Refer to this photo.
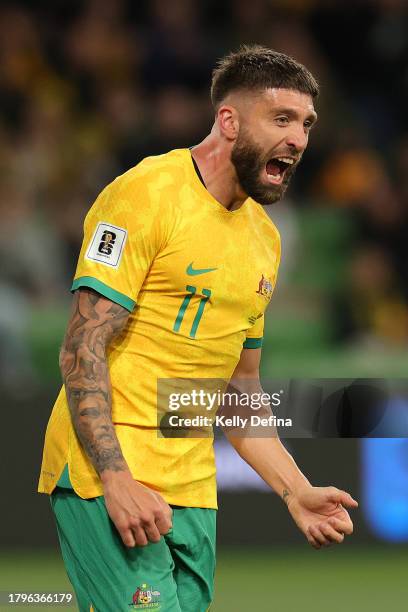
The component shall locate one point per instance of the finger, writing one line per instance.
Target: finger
(168, 510)
(345, 527)
(163, 524)
(127, 537)
(312, 541)
(140, 536)
(164, 518)
(341, 497)
(347, 500)
(318, 535)
(331, 534)
(153, 534)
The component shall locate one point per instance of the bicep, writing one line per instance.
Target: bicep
(248, 364)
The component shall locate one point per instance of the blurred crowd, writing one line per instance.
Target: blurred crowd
(88, 88)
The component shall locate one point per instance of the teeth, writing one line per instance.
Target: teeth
(275, 177)
(287, 160)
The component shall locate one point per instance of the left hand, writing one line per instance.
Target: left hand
(320, 514)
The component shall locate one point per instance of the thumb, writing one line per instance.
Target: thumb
(341, 497)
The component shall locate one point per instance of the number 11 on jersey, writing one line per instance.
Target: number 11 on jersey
(186, 301)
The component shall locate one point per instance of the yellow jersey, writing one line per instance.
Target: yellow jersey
(196, 279)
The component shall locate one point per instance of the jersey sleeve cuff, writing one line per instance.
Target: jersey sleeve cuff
(253, 343)
(105, 290)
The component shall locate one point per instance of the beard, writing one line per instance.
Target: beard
(250, 163)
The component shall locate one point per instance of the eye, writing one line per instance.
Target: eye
(308, 125)
(282, 120)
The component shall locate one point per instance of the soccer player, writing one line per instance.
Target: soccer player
(178, 265)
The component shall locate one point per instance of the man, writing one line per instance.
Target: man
(177, 267)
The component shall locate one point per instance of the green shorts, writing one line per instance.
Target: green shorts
(175, 574)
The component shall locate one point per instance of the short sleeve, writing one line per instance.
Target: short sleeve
(122, 235)
(254, 335)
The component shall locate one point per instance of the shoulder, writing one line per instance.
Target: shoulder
(155, 172)
(138, 192)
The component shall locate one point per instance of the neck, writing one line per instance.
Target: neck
(213, 158)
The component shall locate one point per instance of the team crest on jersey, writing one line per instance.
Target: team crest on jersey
(265, 287)
(107, 245)
(145, 598)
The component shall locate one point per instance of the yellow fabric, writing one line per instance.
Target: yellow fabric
(171, 222)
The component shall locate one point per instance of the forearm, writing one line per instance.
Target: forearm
(319, 512)
(85, 373)
(269, 458)
(263, 450)
(90, 404)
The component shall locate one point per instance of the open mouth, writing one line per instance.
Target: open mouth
(276, 169)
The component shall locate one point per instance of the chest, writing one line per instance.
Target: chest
(229, 262)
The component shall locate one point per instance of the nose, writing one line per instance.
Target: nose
(296, 138)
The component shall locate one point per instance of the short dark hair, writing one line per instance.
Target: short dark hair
(254, 67)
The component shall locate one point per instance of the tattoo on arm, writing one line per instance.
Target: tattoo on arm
(285, 495)
(94, 322)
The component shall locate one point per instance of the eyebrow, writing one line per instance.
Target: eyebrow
(312, 116)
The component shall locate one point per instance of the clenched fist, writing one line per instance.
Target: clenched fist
(139, 514)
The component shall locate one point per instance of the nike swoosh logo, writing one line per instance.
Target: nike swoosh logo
(191, 272)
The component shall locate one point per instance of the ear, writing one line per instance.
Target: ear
(228, 121)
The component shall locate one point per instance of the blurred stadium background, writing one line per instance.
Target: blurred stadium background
(88, 88)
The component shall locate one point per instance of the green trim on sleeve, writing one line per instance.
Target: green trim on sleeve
(105, 290)
(253, 343)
